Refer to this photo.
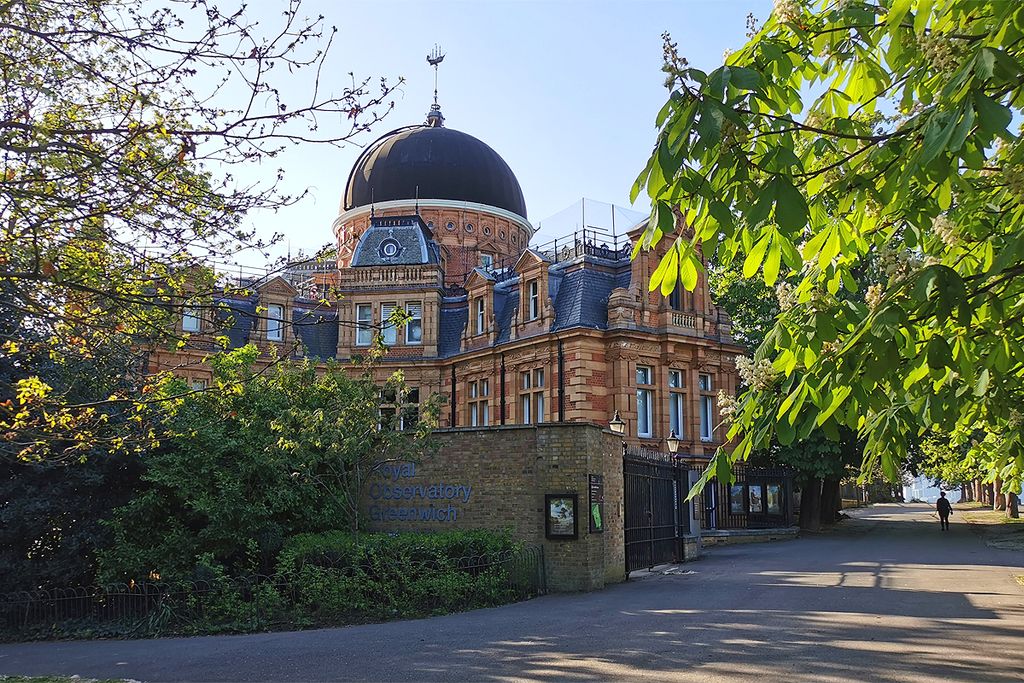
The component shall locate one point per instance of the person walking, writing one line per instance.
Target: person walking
(944, 509)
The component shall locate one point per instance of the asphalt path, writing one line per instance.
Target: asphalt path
(885, 597)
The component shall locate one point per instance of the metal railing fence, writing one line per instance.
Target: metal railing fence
(323, 591)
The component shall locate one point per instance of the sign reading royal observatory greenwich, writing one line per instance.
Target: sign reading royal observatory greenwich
(395, 498)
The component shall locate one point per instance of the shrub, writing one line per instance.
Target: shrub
(380, 576)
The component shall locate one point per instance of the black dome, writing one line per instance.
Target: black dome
(443, 163)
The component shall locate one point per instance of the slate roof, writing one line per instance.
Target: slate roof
(506, 299)
(582, 299)
(580, 296)
(241, 319)
(413, 242)
(452, 322)
(318, 331)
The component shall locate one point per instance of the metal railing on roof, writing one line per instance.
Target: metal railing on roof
(590, 241)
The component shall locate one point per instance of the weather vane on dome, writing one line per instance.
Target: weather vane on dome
(435, 57)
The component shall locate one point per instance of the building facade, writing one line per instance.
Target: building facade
(433, 221)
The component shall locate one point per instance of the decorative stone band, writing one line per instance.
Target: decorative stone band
(433, 204)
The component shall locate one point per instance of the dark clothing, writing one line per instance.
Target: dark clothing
(944, 509)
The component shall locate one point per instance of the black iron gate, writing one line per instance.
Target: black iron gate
(656, 515)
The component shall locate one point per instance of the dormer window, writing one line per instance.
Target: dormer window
(191, 320)
(533, 303)
(389, 248)
(275, 322)
(487, 261)
(480, 319)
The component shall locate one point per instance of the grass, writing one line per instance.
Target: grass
(1000, 531)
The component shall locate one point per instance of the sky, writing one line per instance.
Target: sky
(566, 91)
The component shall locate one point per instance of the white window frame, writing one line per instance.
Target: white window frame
(388, 331)
(533, 304)
(275, 322)
(480, 315)
(364, 328)
(531, 397)
(487, 261)
(676, 404)
(707, 411)
(414, 328)
(704, 382)
(191, 320)
(644, 402)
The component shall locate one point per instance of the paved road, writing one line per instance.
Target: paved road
(887, 597)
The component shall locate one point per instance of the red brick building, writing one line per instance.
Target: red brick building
(434, 221)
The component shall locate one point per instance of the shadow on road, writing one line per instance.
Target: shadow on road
(887, 596)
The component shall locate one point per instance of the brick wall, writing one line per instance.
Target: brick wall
(496, 478)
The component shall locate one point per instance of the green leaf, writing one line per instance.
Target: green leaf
(939, 354)
(837, 396)
(993, 117)
(790, 206)
(744, 78)
(981, 384)
(771, 264)
(756, 256)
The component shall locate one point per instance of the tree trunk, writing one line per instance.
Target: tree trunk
(989, 497)
(831, 501)
(998, 497)
(1013, 505)
(810, 505)
(964, 497)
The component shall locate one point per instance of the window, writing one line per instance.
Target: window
(399, 412)
(414, 328)
(644, 396)
(364, 324)
(707, 407)
(675, 299)
(676, 403)
(706, 410)
(388, 328)
(480, 320)
(479, 407)
(531, 397)
(190, 320)
(487, 261)
(275, 322)
(533, 312)
(197, 384)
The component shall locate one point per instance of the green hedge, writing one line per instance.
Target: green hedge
(326, 579)
(383, 576)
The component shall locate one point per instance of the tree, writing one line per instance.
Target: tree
(268, 455)
(817, 462)
(857, 133)
(121, 126)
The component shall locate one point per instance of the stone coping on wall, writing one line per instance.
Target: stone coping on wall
(734, 536)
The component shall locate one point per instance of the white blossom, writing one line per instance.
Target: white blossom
(727, 407)
(945, 230)
(787, 10)
(786, 295)
(759, 375)
(873, 297)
